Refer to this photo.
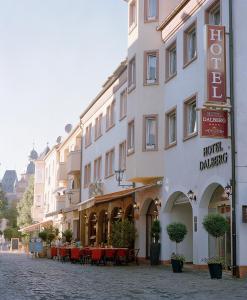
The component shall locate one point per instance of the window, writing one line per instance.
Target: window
(213, 15)
(98, 126)
(109, 163)
(151, 63)
(131, 137)
(190, 47)
(132, 14)
(88, 137)
(151, 10)
(190, 115)
(171, 128)
(132, 74)
(110, 115)
(150, 132)
(122, 156)
(123, 104)
(97, 169)
(171, 61)
(87, 175)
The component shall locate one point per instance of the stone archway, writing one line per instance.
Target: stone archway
(129, 213)
(151, 215)
(179, 209)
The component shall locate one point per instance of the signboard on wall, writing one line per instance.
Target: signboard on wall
(216, 64)
(214, 123)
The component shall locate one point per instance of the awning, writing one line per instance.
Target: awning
(121, 194)
(36, 226)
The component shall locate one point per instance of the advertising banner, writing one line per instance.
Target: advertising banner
(214, 123)
(216, 64)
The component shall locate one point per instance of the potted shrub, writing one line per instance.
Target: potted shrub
(155, 244)
(177, 232)
(43, 235)
(216, 225)
(123, 234)
(67, 235)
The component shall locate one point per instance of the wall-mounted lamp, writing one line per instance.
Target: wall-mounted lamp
(228, 190)
(191, 195)
(157, 202)
(119, 177)
(136, 206)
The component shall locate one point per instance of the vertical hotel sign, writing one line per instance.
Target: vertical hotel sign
(216, 64)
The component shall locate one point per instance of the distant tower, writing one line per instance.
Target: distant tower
(31, 167)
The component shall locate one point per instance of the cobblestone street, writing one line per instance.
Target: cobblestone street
(23, 277)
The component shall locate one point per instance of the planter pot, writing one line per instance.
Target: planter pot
(215, 271)
(48, 252)
(177, 265)
(155, 254)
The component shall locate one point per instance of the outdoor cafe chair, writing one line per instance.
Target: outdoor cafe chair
(63, 254)
(86, 255)
(54, 252)
(75, 255)
(97, 256)
(121, 256)
(110, 255)
(133, 256)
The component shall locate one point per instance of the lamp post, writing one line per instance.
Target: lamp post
(119, 177)
(191, 195)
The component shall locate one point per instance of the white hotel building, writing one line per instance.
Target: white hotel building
(146, 121)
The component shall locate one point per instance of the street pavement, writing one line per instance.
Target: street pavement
(23, 277)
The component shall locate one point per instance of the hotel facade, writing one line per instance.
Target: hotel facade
(168, 119)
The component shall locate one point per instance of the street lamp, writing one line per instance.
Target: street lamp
(228, 190)
(157, 202)
(119, 177)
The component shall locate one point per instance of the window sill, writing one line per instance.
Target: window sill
(123, 117)
(170, 77)
(130, 152)
(169, 146)
(110, 127)
(132, 27)
(145, 83)
(192, 135)
(86, 146)
(131, 88)
(109, 176)
(97, 137)
(151, 20)
(186, 64)
(150, 150)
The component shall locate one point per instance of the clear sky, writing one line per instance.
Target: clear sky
(54, 57)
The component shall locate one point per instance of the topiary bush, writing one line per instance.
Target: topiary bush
(216, 225)
(155, 231)
(177, 232)
(68, 234)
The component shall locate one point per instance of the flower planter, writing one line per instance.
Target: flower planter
(177, 265)
(155, 254)
(215, 271)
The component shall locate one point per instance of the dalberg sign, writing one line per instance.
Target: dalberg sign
(216, 64)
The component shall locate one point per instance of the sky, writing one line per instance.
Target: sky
(54, 57)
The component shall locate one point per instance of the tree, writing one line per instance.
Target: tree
(24, 217)
(10, 233)
(123, 234)
(3, 204)
(177, 232)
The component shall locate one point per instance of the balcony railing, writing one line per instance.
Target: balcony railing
(73, 162)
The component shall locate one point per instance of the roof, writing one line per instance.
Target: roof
(107, 84)
(9, 180)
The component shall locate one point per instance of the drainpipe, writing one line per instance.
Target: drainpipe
(80, 217)
(233, 141)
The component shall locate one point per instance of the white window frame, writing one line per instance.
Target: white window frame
(97, 169)
(123, 104)
(87, 175)
(190, 35)
(132, 14)
(147, 67)
(122, 155)
(132, 74)
(110, 163)
(188, 104)
(148, 16)
(147, 145)
(131, 137)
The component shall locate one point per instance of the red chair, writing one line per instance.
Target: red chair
(86, 255)
(75, 255)
(63, 254)
(121, 256)
(97, 256)
(53, 252)
(110, 255)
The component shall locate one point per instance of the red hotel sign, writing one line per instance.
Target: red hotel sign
(214, 123)
(216, 65)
